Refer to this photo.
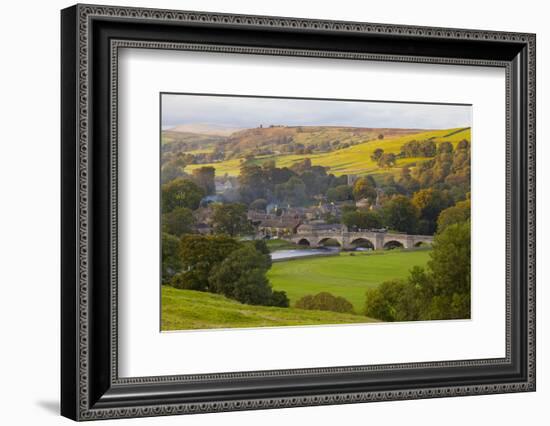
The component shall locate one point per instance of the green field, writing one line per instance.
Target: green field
(345, 275)
(188, 309)
(353, 160)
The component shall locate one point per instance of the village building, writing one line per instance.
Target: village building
(278, 227)
(320, 226)
(322, 210)
(223, 187)
(363, 203)
(256, 216)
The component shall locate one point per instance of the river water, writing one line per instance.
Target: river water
(295, 253)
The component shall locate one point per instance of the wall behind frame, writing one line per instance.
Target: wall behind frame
(29, 217)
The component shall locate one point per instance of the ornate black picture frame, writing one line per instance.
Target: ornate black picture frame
(91, 37)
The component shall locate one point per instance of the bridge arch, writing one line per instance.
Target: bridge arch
(362, 242)
(422, 244)
(330, 241)
(393, 244)
(304, 242)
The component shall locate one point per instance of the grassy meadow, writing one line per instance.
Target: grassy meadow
(355, 159)
(344, 275)
(191, 310)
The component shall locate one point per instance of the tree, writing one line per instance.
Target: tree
(260, 204)
(387, 160)
(198, 255)
(324, 301)
(390, 187)
(450, 266)
(340, 193)
(440, 292)
(400, 214)
(280, 299)
(204, 178)
(242, 276)
(428, 148)
(445, 147)
(460, 212)
(301, 166)
(380, 301)
(364, 188)
(178, 221)
(392, 301)
(410, 149)
(375, 156)
(261, 247)
(316, 180)
(407, 182)
(230, 219)
(463, 144)
(171, 262)
(171, 171)
(361, 220)
(181, 192)
(292, 192)
(430, 202)
(253, 182)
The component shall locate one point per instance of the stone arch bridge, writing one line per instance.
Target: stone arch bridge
(352, 239)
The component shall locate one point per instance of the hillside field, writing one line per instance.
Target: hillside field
(352, 160)
(192, 310)
(344, 275)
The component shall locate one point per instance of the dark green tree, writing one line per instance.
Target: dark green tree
(407, 182)
(253, 182)
(230, 219)
(400, 214)
(430, 203)
(242, 277)
(171, 262)
(340, 193)
(387, 160)
(383, 301)
(180, 192)
(377, 153)
(362, 220)
(292, 192)
(179, 221)
(199, 254)
(204, 178)
(450, 267)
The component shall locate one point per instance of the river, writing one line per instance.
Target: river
(296, 253)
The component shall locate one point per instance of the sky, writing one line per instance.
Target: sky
(250, 112)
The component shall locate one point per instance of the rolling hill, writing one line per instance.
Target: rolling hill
(192, 310)
(205, 129)
(354, 159)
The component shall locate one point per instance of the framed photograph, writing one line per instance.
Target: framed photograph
(263, 212)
